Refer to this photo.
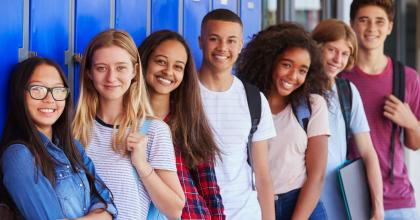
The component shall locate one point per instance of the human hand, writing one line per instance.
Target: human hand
(136, 145)
(399, 112)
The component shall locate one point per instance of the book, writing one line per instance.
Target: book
(355, 190)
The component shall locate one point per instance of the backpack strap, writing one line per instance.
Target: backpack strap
(345, 97)
(302, 111)
(254, 104)
(398, 90)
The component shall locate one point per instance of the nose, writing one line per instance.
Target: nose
(168, 70)
(222, 45)
(337, 57)
(293, 73)
(111, 75)
(49, 98)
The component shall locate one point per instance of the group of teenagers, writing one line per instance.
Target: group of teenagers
(149, 130)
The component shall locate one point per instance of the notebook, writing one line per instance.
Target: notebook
(355, 190)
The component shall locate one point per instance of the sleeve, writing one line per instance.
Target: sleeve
(265, 128)
(206, 181)
(30, 190)
(95, 202)
(318, 123)
(413, 91)
(160, 150)
(358, 121)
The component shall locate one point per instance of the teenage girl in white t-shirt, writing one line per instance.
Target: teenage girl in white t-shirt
(112, 107)
(284, 62)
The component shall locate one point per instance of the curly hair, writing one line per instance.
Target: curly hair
(258, 59)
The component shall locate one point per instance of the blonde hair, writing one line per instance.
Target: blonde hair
(136, 105)
(330, 30)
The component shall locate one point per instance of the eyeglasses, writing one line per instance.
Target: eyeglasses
(40, 92)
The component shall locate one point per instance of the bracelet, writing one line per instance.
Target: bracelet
(149, 174)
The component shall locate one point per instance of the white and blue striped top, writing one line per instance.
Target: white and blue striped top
(131, 198)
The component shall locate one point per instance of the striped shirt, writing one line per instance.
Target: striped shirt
(130, 196)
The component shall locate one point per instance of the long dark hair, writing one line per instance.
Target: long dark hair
(190, 128)
(258, 60)
(20, 128)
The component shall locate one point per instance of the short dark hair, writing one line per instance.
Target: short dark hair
(221, 14)
(387, 5)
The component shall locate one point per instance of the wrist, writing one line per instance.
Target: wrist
(144, 170)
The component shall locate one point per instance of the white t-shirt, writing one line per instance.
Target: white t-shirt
(337, 149)
(230, 119)
(130, 196)
(286, 151)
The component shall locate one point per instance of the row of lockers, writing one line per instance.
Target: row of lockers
(61, 29)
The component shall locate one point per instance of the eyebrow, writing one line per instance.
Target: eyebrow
(177, 61)
(41, 83)
(289, 60)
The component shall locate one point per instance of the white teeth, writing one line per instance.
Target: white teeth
(287, 85)
(46, 110)
(220, 57)
(164, 81)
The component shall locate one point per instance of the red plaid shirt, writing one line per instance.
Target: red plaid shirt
(202, 194)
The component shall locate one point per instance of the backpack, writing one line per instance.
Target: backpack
(398, 90)
(254, 104)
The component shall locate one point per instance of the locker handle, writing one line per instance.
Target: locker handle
(32, 54)
(77, 58)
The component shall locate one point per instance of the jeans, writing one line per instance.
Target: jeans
(285, 206)
(402, 214)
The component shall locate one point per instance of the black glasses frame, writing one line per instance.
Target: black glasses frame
(49, 90)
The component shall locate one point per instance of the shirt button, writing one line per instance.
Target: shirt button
(61, 175)
(80, 185)
(68, 166)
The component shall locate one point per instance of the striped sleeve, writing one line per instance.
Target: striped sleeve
(160, 150)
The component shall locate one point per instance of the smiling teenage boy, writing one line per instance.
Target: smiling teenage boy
(372, 20)
(225, 104)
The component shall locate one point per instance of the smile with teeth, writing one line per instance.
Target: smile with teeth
(164, 81)
(286, 84)
(46, 110)
(221, 57)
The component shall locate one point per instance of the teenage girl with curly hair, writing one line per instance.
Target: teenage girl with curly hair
(285, 64)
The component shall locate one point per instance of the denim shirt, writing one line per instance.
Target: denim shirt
(37, 198)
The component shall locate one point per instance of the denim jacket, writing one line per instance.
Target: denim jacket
(37, 198)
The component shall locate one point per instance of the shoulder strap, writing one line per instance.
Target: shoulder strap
(398, 90)
(145, 126)
(254, 104)
(345, 97)
(302, 112)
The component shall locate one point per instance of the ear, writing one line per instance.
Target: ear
(200, 42)
(137, 70)
(390, 27)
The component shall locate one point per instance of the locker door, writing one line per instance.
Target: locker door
(194, 11)
(228, 4)
(88, 23)
(131, 16)
(49, 29)
(11, 37)
(165, 15)
(251, 14)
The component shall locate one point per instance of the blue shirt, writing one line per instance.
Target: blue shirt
(37, 198)
(337, 149)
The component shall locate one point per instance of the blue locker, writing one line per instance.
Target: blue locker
(228, 4)
(49, 29)
(251, 15)
(194, 11)
(11, 32)
(131, 16)
(88, 23)
(164, 15)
